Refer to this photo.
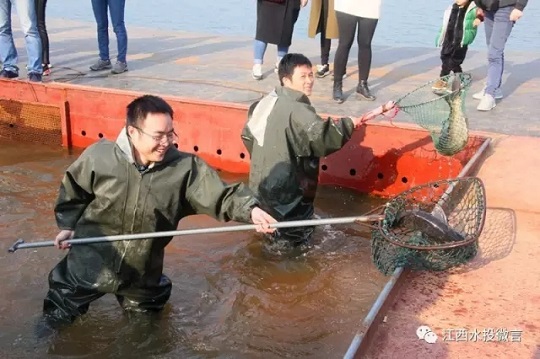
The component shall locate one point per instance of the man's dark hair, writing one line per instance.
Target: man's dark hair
(139, 108)
(288, 63)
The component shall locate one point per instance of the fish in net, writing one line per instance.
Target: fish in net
(442, 113)
(434, 226)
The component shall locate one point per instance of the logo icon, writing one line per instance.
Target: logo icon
(425, 333)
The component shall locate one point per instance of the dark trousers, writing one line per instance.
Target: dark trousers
(452, 60)
(325, 50)
(42, 29)
(348, 24)
(325, 43)
(289, 242)
(295, 236)
(69, 296)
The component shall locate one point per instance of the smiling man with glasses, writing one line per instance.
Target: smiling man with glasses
(141, 183)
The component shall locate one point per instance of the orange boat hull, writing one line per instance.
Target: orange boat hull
(380, 159)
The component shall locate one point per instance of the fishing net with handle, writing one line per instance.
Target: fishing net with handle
(440, 111)
(434, 226)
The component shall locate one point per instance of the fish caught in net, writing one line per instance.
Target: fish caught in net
(441, 112)
(434, 226)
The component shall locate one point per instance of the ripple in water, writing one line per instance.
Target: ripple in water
(230, 298)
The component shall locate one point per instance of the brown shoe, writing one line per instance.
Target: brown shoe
(439, 85)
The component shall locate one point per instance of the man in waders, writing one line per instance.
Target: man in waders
(286, 138)
(141, 183)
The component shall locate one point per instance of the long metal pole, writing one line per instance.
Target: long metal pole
(20, 244)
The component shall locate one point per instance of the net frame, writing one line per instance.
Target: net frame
(471, 235)
(418, 109)
(389, 251)
(433, 110)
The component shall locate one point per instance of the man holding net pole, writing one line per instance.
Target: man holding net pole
(139, 184)
(286, 139)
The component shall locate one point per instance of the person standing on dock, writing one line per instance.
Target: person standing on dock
(116, 9)
(360, 18)
(500, 16)
(8, 52)
(41, 6)
(285, 139)
(275, 25)
(458, 31)
(323, 20)
(138, 184)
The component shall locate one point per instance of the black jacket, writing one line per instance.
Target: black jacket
(275, 21)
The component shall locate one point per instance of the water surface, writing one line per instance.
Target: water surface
(230, 298)
(407, 23)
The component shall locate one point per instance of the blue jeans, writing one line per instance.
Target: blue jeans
(27, 17)
(498, 28)
(260, 49)
(116, 8)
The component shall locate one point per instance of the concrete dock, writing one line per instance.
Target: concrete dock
(499, 291)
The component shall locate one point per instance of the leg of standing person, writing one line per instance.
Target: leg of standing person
(325, 43)
(99, 8)
(284, 50)
(347, 29)
(281, 52)
(26, 10)
(488, 26)
(501, 27)
(259, 48)
(446, 68)
(458, 56)
(42, 29)
(366, 30)
(451, 62)
(8, 51)
(117, 9)
(325, 56)
(66, 299)
(137, 299)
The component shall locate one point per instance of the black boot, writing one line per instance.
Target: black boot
(337, 93)
(363, 90)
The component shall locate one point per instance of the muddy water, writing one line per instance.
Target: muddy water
(230, 298)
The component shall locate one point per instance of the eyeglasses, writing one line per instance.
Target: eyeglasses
(170, 136)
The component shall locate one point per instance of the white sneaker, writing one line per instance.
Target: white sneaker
(487, 103)
(480, 94)
(257, 72)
